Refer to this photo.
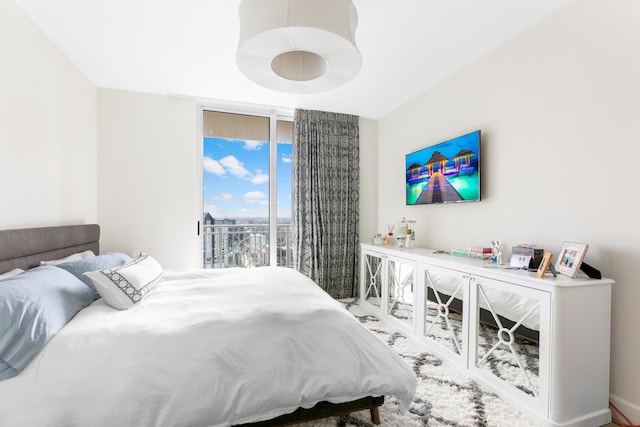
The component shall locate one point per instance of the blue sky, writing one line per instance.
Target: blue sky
(236, 178)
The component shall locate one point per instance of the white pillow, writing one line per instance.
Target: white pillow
(11, 273)
(72, 257)
(127, 284)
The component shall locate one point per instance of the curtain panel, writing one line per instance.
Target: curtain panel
(326, 197)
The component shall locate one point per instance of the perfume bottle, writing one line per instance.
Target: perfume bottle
(411, 239)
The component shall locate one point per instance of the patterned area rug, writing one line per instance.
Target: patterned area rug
(446, 396)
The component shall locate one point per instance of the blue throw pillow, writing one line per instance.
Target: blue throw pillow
(34, 306)
(100, 262)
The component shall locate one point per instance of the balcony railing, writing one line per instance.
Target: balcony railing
(244, 245)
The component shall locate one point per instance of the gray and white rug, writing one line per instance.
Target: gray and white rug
(446, 395)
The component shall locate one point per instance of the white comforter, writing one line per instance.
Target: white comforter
(206, 348)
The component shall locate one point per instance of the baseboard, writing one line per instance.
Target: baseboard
(629, 409)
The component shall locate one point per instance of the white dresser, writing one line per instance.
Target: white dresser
(541, 344)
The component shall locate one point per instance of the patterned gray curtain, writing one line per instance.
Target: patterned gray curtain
(325, 191)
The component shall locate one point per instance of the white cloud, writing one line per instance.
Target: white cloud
(224, 197)
(212, 166)
(285, 158)
(234, 167)
(259, 177)
(254, 197)
(253, 145)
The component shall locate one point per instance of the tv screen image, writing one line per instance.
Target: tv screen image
(448, 172)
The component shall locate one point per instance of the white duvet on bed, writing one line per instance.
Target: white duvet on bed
(206, 348)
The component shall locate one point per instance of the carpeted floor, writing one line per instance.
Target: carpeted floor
(446, 396)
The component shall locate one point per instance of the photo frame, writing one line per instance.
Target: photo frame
(570, 258)
(544, 265)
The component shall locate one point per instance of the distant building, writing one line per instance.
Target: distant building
(219, 241)
(207, 233)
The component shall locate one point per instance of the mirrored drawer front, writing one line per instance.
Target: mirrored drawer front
(508, 337)
(400, 279)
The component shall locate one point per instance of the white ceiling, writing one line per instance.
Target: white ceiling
(187, 47)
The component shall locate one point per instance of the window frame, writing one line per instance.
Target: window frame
(274, 115)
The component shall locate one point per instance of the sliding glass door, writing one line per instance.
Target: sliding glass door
(246, 162)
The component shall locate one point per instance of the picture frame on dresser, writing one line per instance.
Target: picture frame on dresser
(570, 258)
(544, 265)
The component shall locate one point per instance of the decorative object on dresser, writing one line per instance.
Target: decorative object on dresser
(530, 250)
(518, 334)
(544, 265)
(570, 258)
(497, 253)
(480, 252)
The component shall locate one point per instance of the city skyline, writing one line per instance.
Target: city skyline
(248, 220)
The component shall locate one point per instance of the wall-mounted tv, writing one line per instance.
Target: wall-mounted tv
(448, 172)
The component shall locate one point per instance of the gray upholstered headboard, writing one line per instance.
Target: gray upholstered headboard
(25, 248)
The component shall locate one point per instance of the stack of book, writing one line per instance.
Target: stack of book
(479, 252)
(460, 253)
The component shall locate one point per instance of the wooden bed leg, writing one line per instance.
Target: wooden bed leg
(375, 415)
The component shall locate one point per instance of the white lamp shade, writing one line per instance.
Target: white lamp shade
(298, 46)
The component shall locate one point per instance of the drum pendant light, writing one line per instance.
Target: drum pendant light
(298, 46)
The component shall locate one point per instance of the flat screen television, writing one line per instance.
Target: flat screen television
(448, 172)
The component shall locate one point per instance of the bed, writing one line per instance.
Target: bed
(202, 348)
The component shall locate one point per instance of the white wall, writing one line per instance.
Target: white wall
(47, 130)
(368, 178)
(558, 110)
(147, 155)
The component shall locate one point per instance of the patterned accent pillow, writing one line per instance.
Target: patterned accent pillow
(126, 285)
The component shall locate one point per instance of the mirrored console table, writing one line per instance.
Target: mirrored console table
(524, 337)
